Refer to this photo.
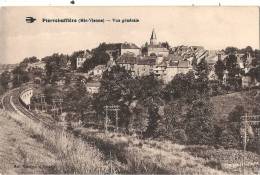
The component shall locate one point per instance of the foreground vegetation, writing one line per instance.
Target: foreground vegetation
(161, 156)
(72, 154)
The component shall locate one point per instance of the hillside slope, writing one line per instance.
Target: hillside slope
(166, 157)
(19, 152)
(224, 104)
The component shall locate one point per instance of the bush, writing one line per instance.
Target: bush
(228, 140)
(200, 128)
(214, 164)
(180, 136)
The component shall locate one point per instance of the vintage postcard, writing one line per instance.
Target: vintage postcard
(130, 90)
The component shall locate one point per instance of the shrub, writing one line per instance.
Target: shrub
(200, 128)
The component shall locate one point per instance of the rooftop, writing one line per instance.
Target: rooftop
(129, 46)
(93, 84)
(100, 67)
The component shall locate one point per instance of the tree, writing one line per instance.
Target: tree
(166, 45)
(139, 119)
(219, 69)
(149, 95)
(181, 86)
(232, 66)
(5, 78)
(30, 60)
(20, 75)
(99, 57)
(78, 102)
(199, 119)
(231, 50)
(152, 121)
(117, 88)
(231, 137)
(73, 58)
(174, 121)
(202, 68)
(233, 71)
(54, 67)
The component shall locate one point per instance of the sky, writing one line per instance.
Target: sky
(211, 27)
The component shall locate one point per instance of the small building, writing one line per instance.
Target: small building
(225, 77)
(176, 67)
(80, 61)
(37, 80)
(82, 58)
(127, 61)
(60, 82)
(130, 48)
(40, 65)
(144, 66)
(249, 79)
(119, 49)
(159, 70)
(93, 87)
(99, 69)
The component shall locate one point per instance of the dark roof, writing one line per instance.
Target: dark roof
(127, 59)
(129, 46)
(157, 46)
(174, 63)
(93, 84)
(146, 61)
(126, 45)
(184, 64)
(212, 59)
(174, 57)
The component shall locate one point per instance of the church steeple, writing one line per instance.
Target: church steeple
(153, 39)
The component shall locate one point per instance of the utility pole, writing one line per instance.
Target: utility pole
(106, 119)
(245, 139)
(57, 106)
(114, 108)
(249, 121)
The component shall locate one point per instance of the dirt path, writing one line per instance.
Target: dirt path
(19, 151)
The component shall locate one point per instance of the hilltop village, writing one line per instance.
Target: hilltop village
(165, 62)
(154, 57)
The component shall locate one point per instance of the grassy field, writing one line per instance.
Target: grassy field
(151, 156)
(224, 104)
(69, 154)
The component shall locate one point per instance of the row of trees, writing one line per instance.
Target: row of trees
(180, 111)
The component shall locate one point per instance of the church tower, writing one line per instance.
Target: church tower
(153, 39)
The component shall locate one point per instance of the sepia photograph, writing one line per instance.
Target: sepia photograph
(130, 90)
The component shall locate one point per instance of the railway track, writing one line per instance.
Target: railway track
(7, 104)
(11, 102)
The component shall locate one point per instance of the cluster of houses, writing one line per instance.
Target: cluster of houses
(165, 62)
(154, 57)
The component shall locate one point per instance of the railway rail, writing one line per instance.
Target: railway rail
(12, 102)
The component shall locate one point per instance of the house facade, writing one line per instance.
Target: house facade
(82, 58)
(99, 69)
(93, 87)
(119, 49)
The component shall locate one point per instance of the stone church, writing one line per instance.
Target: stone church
(155, 48)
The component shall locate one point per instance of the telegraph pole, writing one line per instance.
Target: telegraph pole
(245, 139)
(114, 108)
(249, 121)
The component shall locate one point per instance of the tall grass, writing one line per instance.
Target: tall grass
(72, 154)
